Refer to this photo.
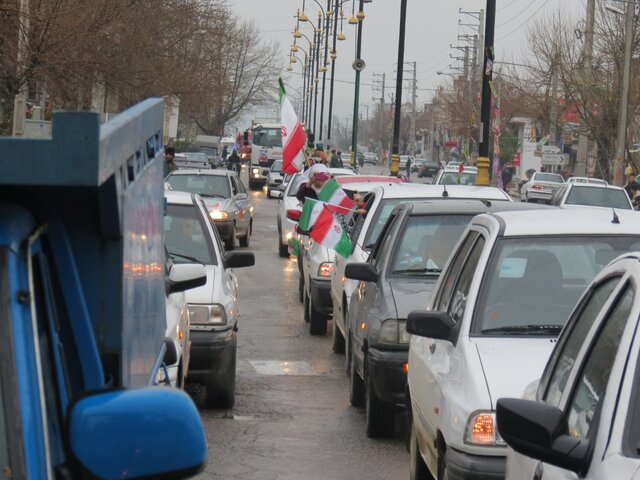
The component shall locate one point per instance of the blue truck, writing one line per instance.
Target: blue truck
(83, 282)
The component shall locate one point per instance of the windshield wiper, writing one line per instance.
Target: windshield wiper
(418, 270)
(214, 195)
(525, 329)
(185, 257)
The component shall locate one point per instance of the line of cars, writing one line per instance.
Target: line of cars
(449, 303)
(205, 211)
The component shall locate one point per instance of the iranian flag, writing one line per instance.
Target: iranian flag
(335, 197)
(293, 136)
(311, 210)
(328, 232)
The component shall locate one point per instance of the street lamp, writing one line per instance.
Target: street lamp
(395, 145)
(358, 66)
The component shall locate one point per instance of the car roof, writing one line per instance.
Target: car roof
(559, 221)
(405, 190)
(178, 198)
(571, 185)
(585, 180)
(202, 171)
(449, 169)
(474, 206)
(363, 186)
(341, 171)
(346, 179)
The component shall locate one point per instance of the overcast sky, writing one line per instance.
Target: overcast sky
(432, 27)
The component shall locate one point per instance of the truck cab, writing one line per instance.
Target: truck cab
(266, 148)
(82, 315)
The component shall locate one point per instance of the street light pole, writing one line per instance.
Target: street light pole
(356, 100)
(315, 79)
(333, 68)
(485, 113)
(324, 63)
(395, 148)
(618, 162)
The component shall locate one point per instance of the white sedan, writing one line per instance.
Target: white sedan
(541, 186)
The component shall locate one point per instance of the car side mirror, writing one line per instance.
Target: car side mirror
(540, 431)
(365, 272)
(185, 276)
(431, 324)
(238, 259)
(294, 214)
(135, 433)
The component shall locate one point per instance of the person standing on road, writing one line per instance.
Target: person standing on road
(234, 162)
(335, 162)
(169, 165)
(225, 154)
(506, 177)
(408, 166)
(340, 162)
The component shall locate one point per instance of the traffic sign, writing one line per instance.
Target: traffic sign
(552, 159)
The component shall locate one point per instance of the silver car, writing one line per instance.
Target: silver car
(275, 177)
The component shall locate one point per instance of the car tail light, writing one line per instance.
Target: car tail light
(536, 186)
(326, 269)
(294, 214)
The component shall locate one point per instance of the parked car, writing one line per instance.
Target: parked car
(598, 181)
(574, 194)
(365, 229)
(582, 421)
(453, 176)
(191, 160)
(429, 168)
(340, 172)
(213, 308)
(370, 158)
(540, 186)
(278, 190)
(275, 177)
(492, 320)
(398, 277)
(226, 198)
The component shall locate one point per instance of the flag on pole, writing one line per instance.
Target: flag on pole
(310, 212)
(328, 232)
(335, 197)
(293, 137)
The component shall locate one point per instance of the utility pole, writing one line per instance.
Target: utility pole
(382, 114)
(358, 67)
(553, 120)
(412, 142)
(485, 115)
(20, 101)
(618, 162)
(580, 167)
(395, 157)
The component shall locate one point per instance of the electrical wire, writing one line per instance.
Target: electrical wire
(522, 24)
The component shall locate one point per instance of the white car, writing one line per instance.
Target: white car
(576, 195)
(379, 203)
(191, 237)
(598, 181)
(501, 301)
(584, 420)
(453, 176)
(275, 177)
(540, 186)
(289, 210)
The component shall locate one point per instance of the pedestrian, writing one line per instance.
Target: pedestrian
(169, 165)
(340, 162)
(234, 161)
(408, 166)
(320, 153)
(506, 176)
(632, 186)
(225, 154)
(335, 163)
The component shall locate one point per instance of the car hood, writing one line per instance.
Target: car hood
(411, 294)
(204, 294)
(511, 364)
(224, 204)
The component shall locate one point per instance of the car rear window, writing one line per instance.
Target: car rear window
(380, 218)
(455, 178)
(207, 185)
(598, 197)
(549, 177)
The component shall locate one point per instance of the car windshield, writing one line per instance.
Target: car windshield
(455, 178)
(598, 197)
(426, 243)
(267, 137)
(380, 217)
(548, 177)
(294, 183)
(531, 284)
(276, 167)
(206, 185)
(196, 156)
(186, 236)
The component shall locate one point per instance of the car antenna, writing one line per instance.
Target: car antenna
(616, 219)
(444, 192)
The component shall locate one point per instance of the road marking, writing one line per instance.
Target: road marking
(293, 368)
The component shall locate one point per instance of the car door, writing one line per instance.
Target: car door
(241, 200)
(431, 360)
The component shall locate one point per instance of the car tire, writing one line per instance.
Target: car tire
(443, 473)
(338, 338)
(379, 415)
(417, 468)
(230, 243)
(356, 385)
(306, 307)
(244, 241)
(283, 249)
(221, 391)
(269, 193)
(317, 320)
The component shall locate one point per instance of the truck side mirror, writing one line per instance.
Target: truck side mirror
(185, 276)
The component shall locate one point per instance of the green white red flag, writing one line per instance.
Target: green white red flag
(335, 198)
(328, 232)
(293, 136)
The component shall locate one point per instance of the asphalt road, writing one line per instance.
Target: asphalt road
(292, 418)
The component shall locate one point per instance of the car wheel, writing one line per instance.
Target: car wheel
(443, 473)
(417, 468)
(317, 320)
(283, 249)
(229, 243)
(244, 241)
(379, 415)
(301, 289)
(356, 385)
(306, 307)
(338, 338)
(269, 193)
(221, 389)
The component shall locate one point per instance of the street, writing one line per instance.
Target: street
(292, 417)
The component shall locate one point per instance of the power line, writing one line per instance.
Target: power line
(521, 25)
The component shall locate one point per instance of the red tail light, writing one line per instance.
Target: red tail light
(294, 214)
(535, 186)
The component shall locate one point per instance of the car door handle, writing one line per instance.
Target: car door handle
(432, 348)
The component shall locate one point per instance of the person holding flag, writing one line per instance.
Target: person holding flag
(293, 136)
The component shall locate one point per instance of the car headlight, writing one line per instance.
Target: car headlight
(482, 430)
(218, 215)
(393, 332)
(255, 171)
(207, 314)
(326, 269)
